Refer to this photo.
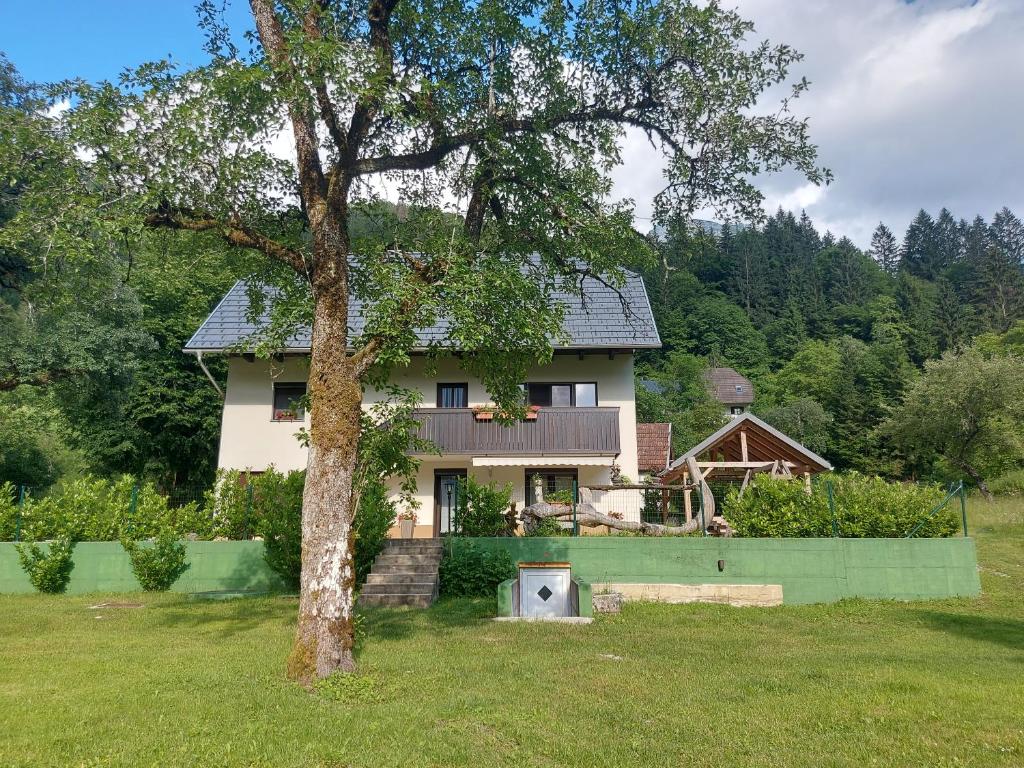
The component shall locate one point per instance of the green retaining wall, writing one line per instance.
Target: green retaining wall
(809, 570)
(103, 566)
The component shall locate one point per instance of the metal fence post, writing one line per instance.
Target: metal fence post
(575, 501)
(963, 506)
(21, 507)
(832, 508)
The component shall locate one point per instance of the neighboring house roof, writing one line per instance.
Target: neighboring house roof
(652, 386)
(764, 443)
(653, 446)
(600, 319)
(729, 387)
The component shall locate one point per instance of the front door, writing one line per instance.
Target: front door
(446, 495)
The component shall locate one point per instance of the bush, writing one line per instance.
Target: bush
(8, 511)
(277, 504)
(230, 507)
(472, 572)
(93, 509)
(374, 518)
(1009, 484)
(549, 527)
(866, 507)
(158, 565)
(483, 508)
(48, 571)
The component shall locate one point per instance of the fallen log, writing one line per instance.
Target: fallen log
(588, 516)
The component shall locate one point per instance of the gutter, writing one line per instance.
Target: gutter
(199, 359)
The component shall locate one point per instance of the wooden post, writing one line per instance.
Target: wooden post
(807, 482)
(687, 501)
(664, 507)
(743, 445)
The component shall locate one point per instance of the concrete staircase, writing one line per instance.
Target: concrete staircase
(404, 574)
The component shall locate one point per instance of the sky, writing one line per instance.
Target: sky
(912, 104)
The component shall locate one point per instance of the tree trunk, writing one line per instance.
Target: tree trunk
(975, 475)
(325, 636)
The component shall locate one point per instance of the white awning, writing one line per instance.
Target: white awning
(543, 461)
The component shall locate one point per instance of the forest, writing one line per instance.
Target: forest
(902, 360)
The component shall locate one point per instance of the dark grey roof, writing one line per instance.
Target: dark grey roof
(598, 320)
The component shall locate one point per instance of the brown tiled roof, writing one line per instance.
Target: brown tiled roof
(653, 444)
(729, 387)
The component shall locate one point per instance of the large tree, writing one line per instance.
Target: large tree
(967, 410)
(511, 114)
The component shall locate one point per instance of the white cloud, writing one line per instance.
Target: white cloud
(911, 104)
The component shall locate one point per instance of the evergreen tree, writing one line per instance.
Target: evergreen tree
(884, 249)
(918, 255)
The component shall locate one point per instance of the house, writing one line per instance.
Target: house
(732, 389)
(653, 448)
(584, 430)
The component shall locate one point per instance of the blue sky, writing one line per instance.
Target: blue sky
(52, 40)
(912, 105)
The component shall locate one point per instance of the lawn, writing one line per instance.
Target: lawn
(858, 683)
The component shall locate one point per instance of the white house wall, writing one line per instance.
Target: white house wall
(251, 439)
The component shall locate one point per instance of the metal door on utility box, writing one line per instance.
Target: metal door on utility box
(544, 592)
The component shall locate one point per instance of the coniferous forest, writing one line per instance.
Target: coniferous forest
(842, 344)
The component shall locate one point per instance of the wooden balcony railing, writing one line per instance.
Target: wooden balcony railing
(555, 432)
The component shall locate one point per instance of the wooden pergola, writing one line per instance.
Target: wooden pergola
(741, 449)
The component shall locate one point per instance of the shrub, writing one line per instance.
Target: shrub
(94, 509)
(158, 565)
(483, 508)
(548, 527)
(278, 501)
(865, 507)
(374, 518)
(48, 571)
(8, 511)
(1009, 484)
(471, 572)
(229, 507)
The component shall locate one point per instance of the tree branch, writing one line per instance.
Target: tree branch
(312, 185)
(234, 233)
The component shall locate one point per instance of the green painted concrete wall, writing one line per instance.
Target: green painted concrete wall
(103, 566)
(809, 570)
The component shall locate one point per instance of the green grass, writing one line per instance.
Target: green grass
(857, 683)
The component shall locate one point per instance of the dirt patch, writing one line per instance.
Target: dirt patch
(116, 605)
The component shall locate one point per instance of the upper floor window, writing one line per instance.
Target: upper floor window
(570, 395)
(452, 395)
(288, 402)
(736, 410)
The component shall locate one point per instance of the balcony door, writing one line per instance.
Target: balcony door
(446, 494)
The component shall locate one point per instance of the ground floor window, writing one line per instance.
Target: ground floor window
(552, 481)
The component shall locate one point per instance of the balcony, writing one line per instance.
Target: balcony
(555, 432)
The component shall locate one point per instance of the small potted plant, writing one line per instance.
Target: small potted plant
(406, 523)
(531, 412)
(483, 413)
(285, 414)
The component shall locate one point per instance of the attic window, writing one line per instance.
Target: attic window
(288, 402)
(739, 388)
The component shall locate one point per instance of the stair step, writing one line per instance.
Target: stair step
(414, 588)
(412, 545)
(387, 559)
(401, 577)
(397, 601)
